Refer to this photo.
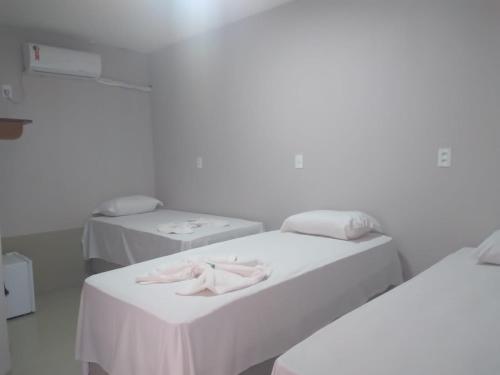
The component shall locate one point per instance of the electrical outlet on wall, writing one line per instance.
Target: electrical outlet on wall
(7, 91)
(444, 157)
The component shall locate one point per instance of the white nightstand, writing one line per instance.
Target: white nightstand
(19, 289)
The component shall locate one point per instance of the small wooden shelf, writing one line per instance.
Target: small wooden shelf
(12, 128)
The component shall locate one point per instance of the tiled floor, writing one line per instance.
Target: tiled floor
(43, 343)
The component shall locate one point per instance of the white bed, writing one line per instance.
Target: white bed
(131, 239)
(134, 329)
(444, 321)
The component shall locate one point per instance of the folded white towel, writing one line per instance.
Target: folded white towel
(203, 221)
(191, 225)
(218, 275)
(176, 228)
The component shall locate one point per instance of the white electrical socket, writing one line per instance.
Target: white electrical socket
(7, 91)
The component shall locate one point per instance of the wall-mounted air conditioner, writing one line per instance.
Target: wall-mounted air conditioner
(39, 58)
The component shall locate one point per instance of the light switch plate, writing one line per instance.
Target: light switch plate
(444, 157)
(199, 162)
(299, 161)
(7, 91)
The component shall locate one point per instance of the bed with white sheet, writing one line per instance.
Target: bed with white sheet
(444, 321)
(135, 238)
(128, 329)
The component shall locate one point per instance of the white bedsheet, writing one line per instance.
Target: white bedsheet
(442, 322)
(130, 329)
(131, 239)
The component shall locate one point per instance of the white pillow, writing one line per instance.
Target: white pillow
(489, 250)
(344, 225)
(134, 204)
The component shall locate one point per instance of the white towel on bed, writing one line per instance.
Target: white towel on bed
(218, 275)
(190, 226)
(176, 228)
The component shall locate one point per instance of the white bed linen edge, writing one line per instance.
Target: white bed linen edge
(131, 239)
(444, 321)
(152, 331)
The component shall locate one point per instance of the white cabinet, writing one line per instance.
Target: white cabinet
(18, 279)
(4, 341)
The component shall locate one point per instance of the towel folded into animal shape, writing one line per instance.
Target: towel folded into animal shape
(190, 226)
(218, 275)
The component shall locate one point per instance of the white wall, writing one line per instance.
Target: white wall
(87, 143)
(367, 90)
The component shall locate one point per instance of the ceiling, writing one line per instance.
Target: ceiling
(141, 25)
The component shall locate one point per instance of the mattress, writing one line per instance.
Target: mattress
(131, 239)
(136, 329)
(444, 321)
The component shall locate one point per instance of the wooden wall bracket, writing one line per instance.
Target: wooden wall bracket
(12, 128)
